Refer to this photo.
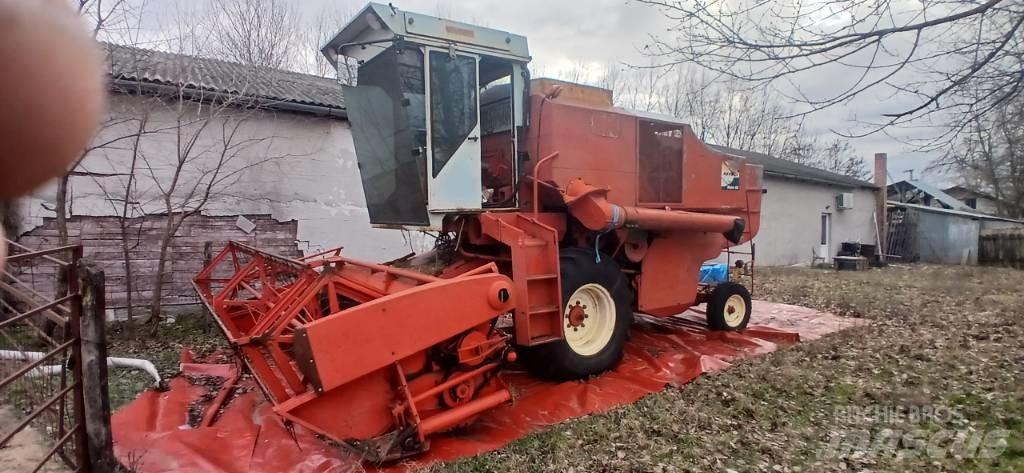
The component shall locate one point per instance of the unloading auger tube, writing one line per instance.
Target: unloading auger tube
(558, 217)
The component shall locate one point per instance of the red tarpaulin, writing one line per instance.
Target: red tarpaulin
(154, 433)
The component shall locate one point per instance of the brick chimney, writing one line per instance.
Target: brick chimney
(881, 173)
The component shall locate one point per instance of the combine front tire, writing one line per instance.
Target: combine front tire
(729, 307)
(596, 318)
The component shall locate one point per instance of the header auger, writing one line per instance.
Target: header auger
(559, 216)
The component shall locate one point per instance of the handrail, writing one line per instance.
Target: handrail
(45, 254)
(37, 310)
(536, 192)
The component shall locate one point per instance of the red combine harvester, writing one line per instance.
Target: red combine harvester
(558, 216)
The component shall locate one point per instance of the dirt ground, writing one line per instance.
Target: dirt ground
(26, 449)
(934, 382)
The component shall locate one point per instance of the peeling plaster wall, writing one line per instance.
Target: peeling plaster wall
(311, 175)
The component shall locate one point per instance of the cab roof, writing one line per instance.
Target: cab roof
(377, 26)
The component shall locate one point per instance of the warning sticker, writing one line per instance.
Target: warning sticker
(730, 176)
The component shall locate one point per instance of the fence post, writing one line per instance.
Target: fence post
(74, 325)
(94, 369)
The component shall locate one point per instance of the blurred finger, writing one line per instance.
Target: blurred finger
(51, 87)
(3, 248)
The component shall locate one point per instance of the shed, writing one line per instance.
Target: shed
(918, 192)
(936, 235)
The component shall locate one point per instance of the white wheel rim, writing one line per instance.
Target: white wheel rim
(735, 310)
(592, 334)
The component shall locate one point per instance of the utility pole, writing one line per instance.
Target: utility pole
(911, 173)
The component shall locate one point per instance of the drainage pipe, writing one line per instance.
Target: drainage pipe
(112, 361)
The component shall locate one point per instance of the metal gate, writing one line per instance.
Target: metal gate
(902, 238)
(42, 414)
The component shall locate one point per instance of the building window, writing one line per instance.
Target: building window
(972, 203)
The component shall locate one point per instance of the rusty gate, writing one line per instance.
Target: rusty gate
(42, 414)
(902, 238)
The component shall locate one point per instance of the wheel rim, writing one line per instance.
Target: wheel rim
(589, 319)
(735, 310)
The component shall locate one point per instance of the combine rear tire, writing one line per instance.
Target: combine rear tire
(596, 317)
(729, 307)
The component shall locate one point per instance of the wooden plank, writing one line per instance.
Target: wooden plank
(101, 238)
(95, 390)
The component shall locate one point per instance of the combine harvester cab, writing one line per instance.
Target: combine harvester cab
(559, 215)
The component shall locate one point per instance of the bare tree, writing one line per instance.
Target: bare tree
(839, 157)
(187, 150)
(720, 112)
(726, 113)
(257, 32)
(314, 34)
(834, 156)
(213, 146)
(990, 158)
(123, 198)
(111, 19)
(125, 214)
(197, 173)
(938, 62)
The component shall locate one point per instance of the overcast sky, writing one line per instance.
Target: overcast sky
(564, 34)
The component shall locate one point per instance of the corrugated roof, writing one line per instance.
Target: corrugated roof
(943, 198)
(960, 213)
(275, 85)
(974, 192)
(789, 169)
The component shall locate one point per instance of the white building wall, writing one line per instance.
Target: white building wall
(981, 204)
(791, 221)
(986, 206)
(311, 177)
(308, 173)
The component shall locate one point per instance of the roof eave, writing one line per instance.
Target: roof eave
(126, 86)
(772, 170)
(848, 185)
(959, 213)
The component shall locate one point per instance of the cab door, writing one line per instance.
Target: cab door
(453, 131)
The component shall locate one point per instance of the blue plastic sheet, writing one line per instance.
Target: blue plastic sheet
(714, 273)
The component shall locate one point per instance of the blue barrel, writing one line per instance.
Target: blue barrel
(714, 273)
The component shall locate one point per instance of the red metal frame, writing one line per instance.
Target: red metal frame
(318, 328)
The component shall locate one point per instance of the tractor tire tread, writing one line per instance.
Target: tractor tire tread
(556, 360)
(716, 306)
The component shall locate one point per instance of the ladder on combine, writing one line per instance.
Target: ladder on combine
(535, 274)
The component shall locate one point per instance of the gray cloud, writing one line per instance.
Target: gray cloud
(566, 34)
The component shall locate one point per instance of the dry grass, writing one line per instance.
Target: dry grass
(943, 337)
(198, 333)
